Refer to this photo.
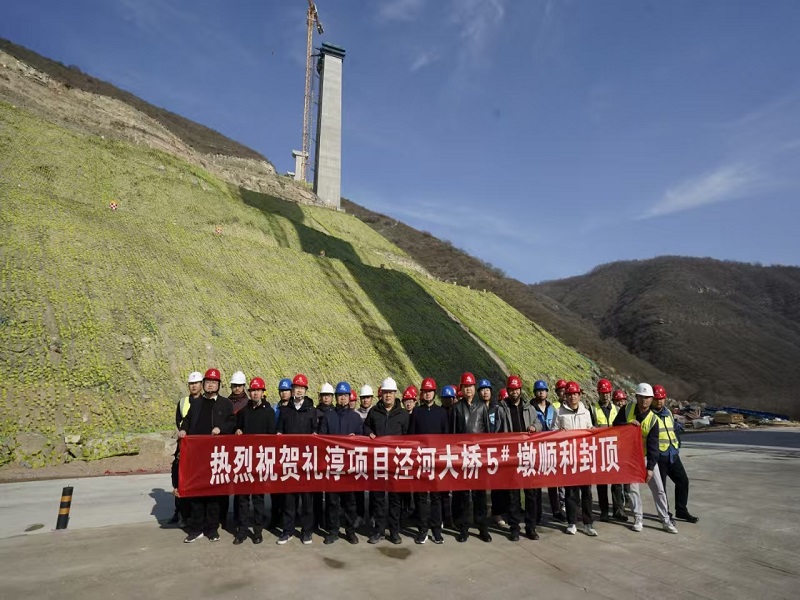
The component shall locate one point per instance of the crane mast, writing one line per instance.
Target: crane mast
(312, 20)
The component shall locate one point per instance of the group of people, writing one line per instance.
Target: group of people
(469, 408)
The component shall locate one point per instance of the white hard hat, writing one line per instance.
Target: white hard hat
(238, 379)
(366, 391)
(326, 388)
(389, 385)
(195, 377)
(644, 389)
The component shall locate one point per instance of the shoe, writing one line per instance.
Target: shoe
(637, 525)
(685, 516)
(257, 537)
(375, 538)
(501, 522)
(213, 536)
(285, 537)
(462, 537)
(669, 527)
(239, 538)
(620, 516)
(589, 530)
(351, 538)
(531, 534)
(560, 517)
(192, 537)
(437, 537)
(421, 538)
(604, 517)
(572, 529)
(330, 539)
(514, 537)
(306, 538)
(484, 536)
(395, 538)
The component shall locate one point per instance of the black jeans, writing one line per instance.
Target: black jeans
(617, 499)
(447, 507)
(461, 509)
(499, 503)
(319, 510)
(275, 510)
(298, 507)
(555, 504)
(204, 514)
(677, 473)
(515, 513)
(579, 496)
(243, 509)
(429, 507)
(377, 508)
(361, 505)
(338, 505)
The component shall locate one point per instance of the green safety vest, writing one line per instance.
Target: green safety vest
(555, 404)
(645, 426)
(666, 433)
(184, 406)
(600, 415)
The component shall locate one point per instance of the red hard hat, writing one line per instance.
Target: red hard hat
(659, 393)
(380, 391)
(467, 379)
(428, 384)
(503, 394)
(561, 384)
(459, 393)
(300, 380)
(514, 382)
(620, 395)
(573, 388)
(604, 386)
(410, 393)
(256, 383)
(213, 375)
(353, 396)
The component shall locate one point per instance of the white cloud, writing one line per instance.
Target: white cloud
(423, 59)
(477, 21)
(400, 10)
(729, 182)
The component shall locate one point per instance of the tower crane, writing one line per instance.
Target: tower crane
(312, 20)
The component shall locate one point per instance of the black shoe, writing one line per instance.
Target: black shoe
(437, 537)
(213, 536)
(395, 538)
(685, 516)
(462, 537)
(484, 536)
(514, 537)
(285, 537)
(352, 538)
(531, 534)
(330, 539)
(375, 538)
(239, 538)
(604, 517)
(192, 537)
(620, 516)
(306, 537)
(421, 538)
(560, 517)
(257, 537)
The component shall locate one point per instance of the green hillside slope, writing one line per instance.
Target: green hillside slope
(102, 313)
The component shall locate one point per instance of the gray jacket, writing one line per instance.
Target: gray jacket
(504, 422)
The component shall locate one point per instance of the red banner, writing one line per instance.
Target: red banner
(258, 464)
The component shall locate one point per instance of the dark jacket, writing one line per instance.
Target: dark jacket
(465, 418)
(341, 421)
(428, 420)
(256, 419)
(178, 415)
(322, 410)
(302, 420)
(221, 416)
(651, 450)
(493, 415)
(504, 422)
(547, 417)
(386, 422)
(239, 401)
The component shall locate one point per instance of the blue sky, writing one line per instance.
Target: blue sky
(543, 136)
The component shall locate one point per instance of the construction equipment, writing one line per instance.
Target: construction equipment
(312, 20)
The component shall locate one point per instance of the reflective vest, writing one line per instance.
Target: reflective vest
(666, 433)
(600, 415)
(645, 426)
(555, 404)
(184, 406)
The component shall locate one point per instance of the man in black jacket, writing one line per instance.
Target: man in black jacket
(428, 419)
(299, 417)
(182, 505)
(258, 417)
(388, 417)
(342, 420)
(325, 404)
(211, 414)
(470, 416)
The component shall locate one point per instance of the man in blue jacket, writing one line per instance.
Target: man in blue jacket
(342, 420)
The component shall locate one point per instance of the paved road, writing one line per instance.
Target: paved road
(782, 438)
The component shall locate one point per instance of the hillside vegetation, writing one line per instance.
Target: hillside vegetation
(102, 313)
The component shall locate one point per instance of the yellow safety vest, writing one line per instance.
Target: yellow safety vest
(184, 406)
(666, 433)
(555, 404)
(645, 426)
(600, 415)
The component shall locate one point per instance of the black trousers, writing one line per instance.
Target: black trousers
(499, 503)
(461, 509)
(382, 516)
(447, 507)
(579, 496)
(243, 510)
(298, 507)
(182, 505)
(617, 499)
(338, 505)
(319, 509)
(555, 503)
(515, 511)
(276, 510)
(204, 516)
(429, 508)
(677, 473)
(361, 504)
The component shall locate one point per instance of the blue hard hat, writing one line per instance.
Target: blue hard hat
(284, 384)
(484, 383)
(540, 385)
(448, 391)
(342, 388)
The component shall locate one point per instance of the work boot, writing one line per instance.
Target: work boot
(531, 534)
(484, 535)
(395, 538)
(514, 537)
(257, 537)
(330, 538)
(351, 537)
(239, 537)
(685, 516)
(462, 536)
